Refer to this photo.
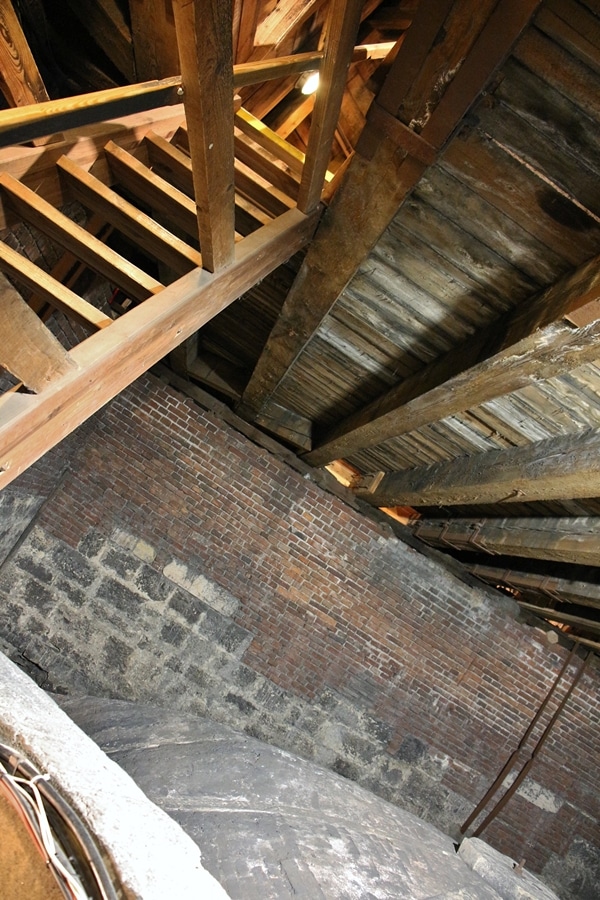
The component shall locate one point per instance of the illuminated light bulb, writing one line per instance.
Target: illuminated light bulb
(309, 83)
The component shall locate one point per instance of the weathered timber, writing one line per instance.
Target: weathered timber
(133, 281)
(565, 539)
(342, 26)
(555, 615)
(567, 590)
(130, 221)
(111, 359)
(175, 166)
(566, 466)
(531, 343)
(28, 349)
(206, 58)
(373, 190)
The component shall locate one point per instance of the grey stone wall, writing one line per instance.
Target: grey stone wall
(103, 620)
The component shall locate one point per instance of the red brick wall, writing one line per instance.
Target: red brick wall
(334, 602)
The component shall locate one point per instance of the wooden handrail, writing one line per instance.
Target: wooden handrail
(26, 123)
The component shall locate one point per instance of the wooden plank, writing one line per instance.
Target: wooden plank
(28, 350)
(340, 35)
(532, 343)
(111, 359)
(568, 539)
(206, 57)
(268, 139)
(248, 22)
(164, 199)
(263, 70)
(133, 281)
(266, 167)
(561, 467)
(50, 290)
(130, 221)
(373, 191)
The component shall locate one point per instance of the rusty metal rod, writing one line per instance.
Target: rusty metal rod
(523, 773)
(513, 757)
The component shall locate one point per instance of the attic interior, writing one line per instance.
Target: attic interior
(394, 277)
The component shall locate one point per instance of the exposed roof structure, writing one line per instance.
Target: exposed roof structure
(399, 272)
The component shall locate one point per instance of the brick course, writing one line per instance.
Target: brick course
(179, 562)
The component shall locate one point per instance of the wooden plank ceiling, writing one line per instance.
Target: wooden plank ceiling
(438, 334)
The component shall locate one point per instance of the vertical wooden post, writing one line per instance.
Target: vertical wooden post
(206, 57)
(340, 36)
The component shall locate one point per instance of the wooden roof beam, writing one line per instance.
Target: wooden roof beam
(565, 466)
(114, 357)
(567, 590)
(540, 339)
(567, 539)
(471, 48)
(204, 40)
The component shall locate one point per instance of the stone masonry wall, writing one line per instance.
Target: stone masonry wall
(170, 559)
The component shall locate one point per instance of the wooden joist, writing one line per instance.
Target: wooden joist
(206, 59)
(562, 467)
(568, 539)
(49, 289)
(130, 221)
(28, 350)
(176, 166)
(129, 278)
(20, 80)
(111, 359)
(167, 201)
(539, 340)
(471, 49)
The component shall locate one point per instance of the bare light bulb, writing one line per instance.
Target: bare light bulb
(310, 83)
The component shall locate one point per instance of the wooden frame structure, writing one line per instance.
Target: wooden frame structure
(439, 336)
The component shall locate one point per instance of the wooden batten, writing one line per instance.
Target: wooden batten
(130, 221)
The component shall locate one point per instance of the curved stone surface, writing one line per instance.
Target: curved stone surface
(271, 825)
(499, 871)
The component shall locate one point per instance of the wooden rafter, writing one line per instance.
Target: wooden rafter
(584, 593)
(112, 358)
(540, 339)
(566, 539)
(473, 46)
(566, 466)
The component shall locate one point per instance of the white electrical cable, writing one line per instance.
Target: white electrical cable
(35, 806)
